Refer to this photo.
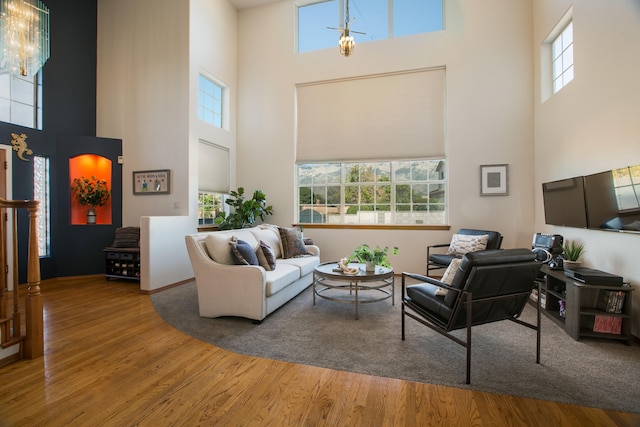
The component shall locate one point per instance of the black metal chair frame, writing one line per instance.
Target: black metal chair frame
(464, 302)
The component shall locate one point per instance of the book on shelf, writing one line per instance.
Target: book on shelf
(611, 301)
(607, 324)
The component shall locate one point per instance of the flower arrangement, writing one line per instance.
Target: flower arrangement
(92, 192)
(376, 256)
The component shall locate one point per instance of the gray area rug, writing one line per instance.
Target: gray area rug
(596, 373)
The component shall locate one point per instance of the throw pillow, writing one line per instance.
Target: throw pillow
(449, 274)
(266, 256)
(292, 244)
(242, 252)
(463, 243)
(127, 237)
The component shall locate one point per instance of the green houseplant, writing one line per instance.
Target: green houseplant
(245, 211)
(372, 256)
(91, 192)
(571, 252)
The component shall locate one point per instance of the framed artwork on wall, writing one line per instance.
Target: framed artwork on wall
(494, 180)
(151, 182)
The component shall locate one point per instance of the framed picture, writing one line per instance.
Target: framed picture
(494, 180)
(151, 182)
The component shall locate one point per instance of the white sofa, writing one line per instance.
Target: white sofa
(227, 289)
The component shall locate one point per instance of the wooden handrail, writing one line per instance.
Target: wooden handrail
(32, 343)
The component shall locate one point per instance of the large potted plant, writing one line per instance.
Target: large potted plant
(91, 192)
(245, 211)
(372, 256)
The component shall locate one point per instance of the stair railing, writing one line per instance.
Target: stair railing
(32, 342)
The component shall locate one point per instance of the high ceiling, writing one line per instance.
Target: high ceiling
(248, 4)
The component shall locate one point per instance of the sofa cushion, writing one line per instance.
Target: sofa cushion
(280, 278)
(217, 244)
(242, 252)
(292, 243)
(463, 243)
(306, 264)
(266, 256)
(270, 236)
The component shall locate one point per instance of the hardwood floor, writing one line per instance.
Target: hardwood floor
(111, 360)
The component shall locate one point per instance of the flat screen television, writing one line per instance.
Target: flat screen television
(564, 202)
(612, 199)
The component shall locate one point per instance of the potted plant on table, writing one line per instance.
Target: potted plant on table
(571, 253)
(91, 192)
(372, 256)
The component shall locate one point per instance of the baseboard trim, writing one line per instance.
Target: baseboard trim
(164, 288)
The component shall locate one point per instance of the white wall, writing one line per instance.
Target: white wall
(143, 96)
(488, 56)
(150, 53)
(592, 124)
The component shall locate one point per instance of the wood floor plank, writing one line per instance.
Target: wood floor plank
(111, 360)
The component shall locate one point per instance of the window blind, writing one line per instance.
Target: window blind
(388, 116)
(213, 168)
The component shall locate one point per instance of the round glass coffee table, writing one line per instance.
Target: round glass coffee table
(330, 283)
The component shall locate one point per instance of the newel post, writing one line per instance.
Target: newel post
(34, 306)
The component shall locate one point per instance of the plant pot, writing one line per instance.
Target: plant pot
(571, 265)
(91, 216)
(369, 266)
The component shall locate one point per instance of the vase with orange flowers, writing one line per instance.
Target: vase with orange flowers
(91, 192)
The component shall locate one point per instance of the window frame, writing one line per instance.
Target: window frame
(14, 100)
(359, 23)
(212, 102)
(315, 179)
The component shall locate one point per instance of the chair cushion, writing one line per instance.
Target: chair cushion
(426, 295)
(442, 259)
(493, 242)
(485, 258)
(448, 276)
(463, 243)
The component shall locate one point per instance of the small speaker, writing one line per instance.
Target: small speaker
(542, 255)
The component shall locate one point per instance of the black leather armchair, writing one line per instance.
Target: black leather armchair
(489, 286)
(437, 260)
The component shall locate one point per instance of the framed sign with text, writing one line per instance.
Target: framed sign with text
(151, 182)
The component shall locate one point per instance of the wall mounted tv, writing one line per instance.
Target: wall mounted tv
(564, 202)
(612, 199)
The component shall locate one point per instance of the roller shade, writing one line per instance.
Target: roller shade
(213, 168)
(389, 116)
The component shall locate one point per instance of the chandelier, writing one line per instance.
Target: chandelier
(24, 36)
(347, 43)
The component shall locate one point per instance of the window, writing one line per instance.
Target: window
(380, 192)
(210, 101)
(562, 58)
(209, 205)
(41, 192)
(626, 184)
(379, 19)
(21, 100)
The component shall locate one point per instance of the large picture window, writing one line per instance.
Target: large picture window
(382, 192)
